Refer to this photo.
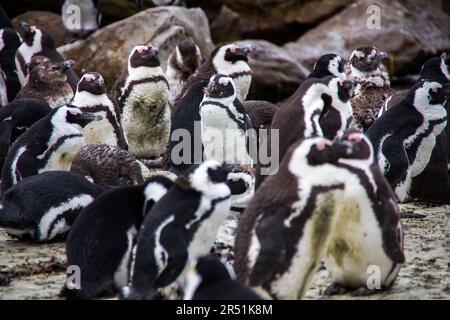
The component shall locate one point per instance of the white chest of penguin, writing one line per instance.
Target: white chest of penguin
(62, 157)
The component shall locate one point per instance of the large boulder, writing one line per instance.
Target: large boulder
(408, 32)
(106, 50)
(275, 74)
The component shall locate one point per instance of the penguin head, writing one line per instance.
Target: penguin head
(144, 56)
(93, 83)
(340, 90)
(425, 94)
(367, 59)
(154, 189)
(436, 69)
(228, 54)
(188, 56)
(354, 145)
(72, 115)
(331, 64)
(220, 86)
(42, 69)
(34, 34)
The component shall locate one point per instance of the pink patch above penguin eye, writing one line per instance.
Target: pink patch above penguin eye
(357, 137)
(33, 28)
(90, 77)
(224, 81)
(322, 144)
(234, 48)
(141, 49)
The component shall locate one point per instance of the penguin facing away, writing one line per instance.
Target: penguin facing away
(108, 165)
(9, 43)
(180, 227)
(47, 81)
(329, 65)
(142, 94)
(43, 207)
(116, 215)
(91, 97)
(404, 138)
(37, 41)
(48, 145)
(210, 279)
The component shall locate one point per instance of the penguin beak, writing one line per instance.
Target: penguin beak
(382, 55)
(25, 26)
(83, 119)
(246, 49)
(66, 64)
(153, 50)
(348, 84)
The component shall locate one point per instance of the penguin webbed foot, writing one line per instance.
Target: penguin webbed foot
(131, 293)
(335, 289)
(340, 289)
(412, 215)
(364, 291)
(5, 280)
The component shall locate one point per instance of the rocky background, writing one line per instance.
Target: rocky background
(290, 34)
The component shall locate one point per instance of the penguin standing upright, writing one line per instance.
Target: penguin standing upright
(209, 279)
(9, 43)
(37, 41)
(116, 215)
(43, 207)
(47, 81)
(91, 97)
(16, 118)
(142, 94)
(329, 65)
(49, 144)
(225, 123)
(370, 211)
(180, 227)
(181, 64)
(109, 166)
(404, 138)
(373, 85)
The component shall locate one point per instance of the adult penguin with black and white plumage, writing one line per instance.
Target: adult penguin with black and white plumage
(9, 43)
(16, 118)
(91, 97)
(180, 227)
(46, 80)
(369, 209)
(365, 67)
(142, 95)
(226, 59)
(210, 279)
(329, 65)
(108, 165)
(283, 232)
(37, 41)
(404, 138)
(43, 207)
(48, 145)
(115, 216)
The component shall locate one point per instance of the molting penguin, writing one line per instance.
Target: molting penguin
(116, 215)
(210, 279)
(16, 118)
(329, 65)
(109, 166)
(181, 64)
(9, 43)
(180, 227)
(91, 97)
(47, 81)
(49, 144)
(404, 138)
(283, 233)
(224, 123)
(368, 225)
(142, 94)
(89, 17)
(373, 85)
(37, 41)
(43, 207)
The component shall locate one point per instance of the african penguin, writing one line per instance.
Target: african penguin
(368, 225)
(404, 138)
(47, 81)
(180, 227)
(16, 118)
(224, 123)
(37, 41)
(109, 166)
(283, 232)
(43, 207)
(210, 279)
(89, 17)
(142, 94)
(373, 85)
(49, 144)
(329, 65)
(91, 97)
(9, 43)
(181, 64)
(115, 216)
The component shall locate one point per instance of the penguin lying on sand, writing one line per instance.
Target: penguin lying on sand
(103, 236)
(180, 227)
(49, 144)
(209, 279)
(108, 165)
(43, 207)
(47, 81)
(9, 43)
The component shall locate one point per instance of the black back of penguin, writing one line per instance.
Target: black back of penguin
(9, 42)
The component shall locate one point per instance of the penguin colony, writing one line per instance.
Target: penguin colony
(349, 150)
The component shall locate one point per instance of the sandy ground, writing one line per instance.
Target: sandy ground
(37, 271)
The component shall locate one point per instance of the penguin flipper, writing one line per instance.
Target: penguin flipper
(398, 161)
(6, 129)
